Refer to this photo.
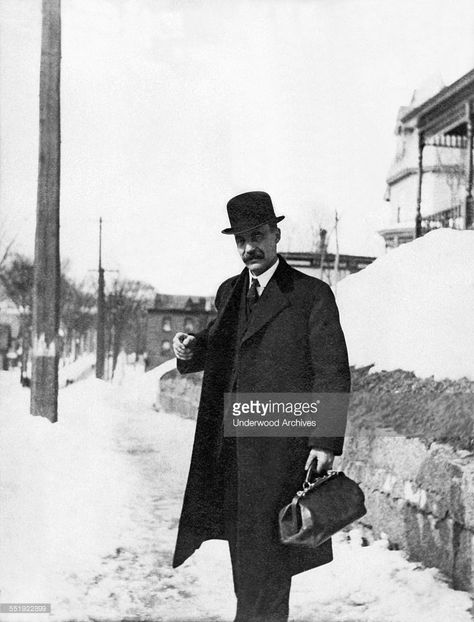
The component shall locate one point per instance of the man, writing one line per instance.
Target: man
(277, 331)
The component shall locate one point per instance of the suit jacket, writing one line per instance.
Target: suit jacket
(293, 343)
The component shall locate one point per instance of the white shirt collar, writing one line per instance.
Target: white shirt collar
(264, 277)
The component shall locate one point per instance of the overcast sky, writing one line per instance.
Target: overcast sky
(170, 107)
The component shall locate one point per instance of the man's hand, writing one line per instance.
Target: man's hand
(324, 459)
(183, 346)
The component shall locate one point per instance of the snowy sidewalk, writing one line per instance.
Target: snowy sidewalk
(89, 509)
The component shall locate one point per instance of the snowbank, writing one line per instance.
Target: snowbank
(57, 483)
(76, 370)
(414, 308)
(89, 508)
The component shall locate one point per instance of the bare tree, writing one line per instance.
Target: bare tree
(17, 279)
(126, 304)
(78, 305)
(7, 242)
(78, 313)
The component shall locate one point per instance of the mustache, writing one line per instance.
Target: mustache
(257, 254)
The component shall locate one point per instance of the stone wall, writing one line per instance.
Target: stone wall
(420, 497)
(180, 394)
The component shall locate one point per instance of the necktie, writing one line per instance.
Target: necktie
(252, 296)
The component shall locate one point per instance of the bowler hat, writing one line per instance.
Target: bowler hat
(249, 210)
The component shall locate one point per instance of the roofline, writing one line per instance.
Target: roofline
(398, 228)
(175, 310)
(413, 170)
(441, 96)
(193, 297)
(317, 255)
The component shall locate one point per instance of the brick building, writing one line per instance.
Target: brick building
(169, 315)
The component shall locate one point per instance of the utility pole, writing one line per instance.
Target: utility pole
(100, 355)
(336, 260)
(322, 250)
(100, 346)
(46, 291)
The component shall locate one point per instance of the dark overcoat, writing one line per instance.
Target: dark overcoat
(293, 343)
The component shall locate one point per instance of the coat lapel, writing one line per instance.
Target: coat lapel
(271, 302)
(230, 301)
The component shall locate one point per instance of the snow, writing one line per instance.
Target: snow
(89, 508)
(76, 370)
(413, 308)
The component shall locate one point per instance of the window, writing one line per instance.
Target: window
(188, 325)
(165, 347)
(166, 325)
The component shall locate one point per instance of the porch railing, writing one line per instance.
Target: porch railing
(447, 140)
(449, 218)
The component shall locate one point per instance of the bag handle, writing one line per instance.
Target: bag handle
(308, 482)
(309, 472)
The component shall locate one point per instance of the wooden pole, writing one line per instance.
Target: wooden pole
(336, 260)
(46, 292)
(100, 353)
(469, 217)
(322, 250)
(421, 144)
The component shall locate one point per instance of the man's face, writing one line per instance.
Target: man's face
(258, 248)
